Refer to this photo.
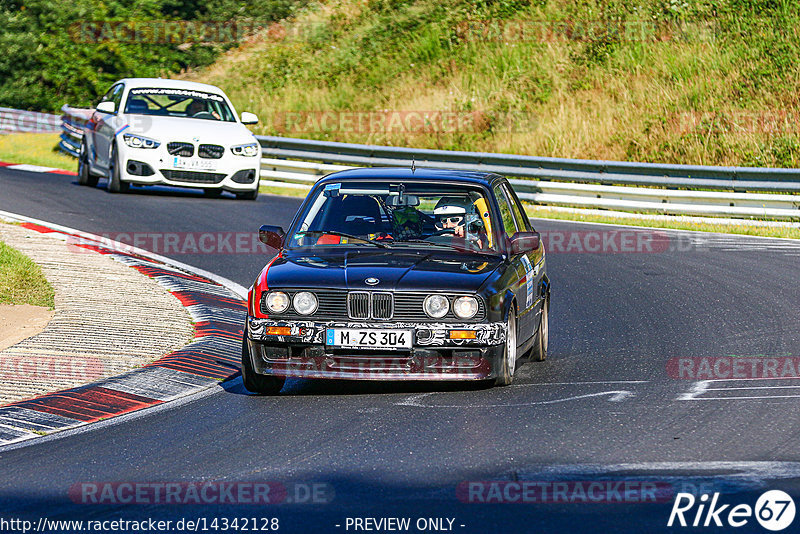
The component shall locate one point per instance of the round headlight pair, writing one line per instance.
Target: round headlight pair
(437, 306)
(305, 303)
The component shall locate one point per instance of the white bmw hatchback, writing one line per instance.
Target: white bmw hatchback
(149, 131)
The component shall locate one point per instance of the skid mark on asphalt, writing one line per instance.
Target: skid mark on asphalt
(417, 401)
(760, 389)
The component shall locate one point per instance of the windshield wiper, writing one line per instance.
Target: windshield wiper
(342, 234)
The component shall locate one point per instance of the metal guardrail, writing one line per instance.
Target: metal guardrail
(748, 192)
(19, 121)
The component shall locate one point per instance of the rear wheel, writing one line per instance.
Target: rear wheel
(248, 195)
(509, 363)
(85, 176)
(539, 351)
(115, 185)
(262, 384)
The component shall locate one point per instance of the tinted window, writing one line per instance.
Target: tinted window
(178, 103)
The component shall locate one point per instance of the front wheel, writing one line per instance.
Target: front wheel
(262, 384)
(509, 363)
(539, 351)
(115, 184)
(248, 195)
(85, 177)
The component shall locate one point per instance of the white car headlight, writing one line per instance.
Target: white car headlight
(277, 301)
(137, 141)
(249, 150)
(465, 307)
(305, 303)
(436, 306)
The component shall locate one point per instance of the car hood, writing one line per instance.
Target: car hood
(166, 129)
(405, 271)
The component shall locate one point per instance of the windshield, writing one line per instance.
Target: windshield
(396, 215)
(178, 103)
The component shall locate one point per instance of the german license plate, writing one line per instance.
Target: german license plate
(193, 164)
(365, 338)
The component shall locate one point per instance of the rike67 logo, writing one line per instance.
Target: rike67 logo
(774, 510)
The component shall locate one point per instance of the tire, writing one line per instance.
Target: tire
(212, 192)
(85, 176)
(115, 185)
(539, 351)
(248, 195)
(261, 384)
(509, 363)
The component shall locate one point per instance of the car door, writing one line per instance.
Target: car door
(104, 127)
(516, 270)
(533, 264)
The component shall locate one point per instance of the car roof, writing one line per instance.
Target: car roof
(419, 174)
(171, 84)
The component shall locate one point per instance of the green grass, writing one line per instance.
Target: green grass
(22, 281)
(703, 83)
(35, 149)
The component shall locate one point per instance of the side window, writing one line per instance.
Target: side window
(523, 223)
(116, 96)
(505, 211)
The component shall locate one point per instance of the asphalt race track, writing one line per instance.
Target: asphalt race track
(606, 405)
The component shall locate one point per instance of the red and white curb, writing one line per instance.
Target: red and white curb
(218, 309)
(34, 168)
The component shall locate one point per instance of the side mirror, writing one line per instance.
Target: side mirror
(249, 118)
(106, 107)
(524, 242)
(272, 236)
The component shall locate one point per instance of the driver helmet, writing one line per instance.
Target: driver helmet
(450, 210)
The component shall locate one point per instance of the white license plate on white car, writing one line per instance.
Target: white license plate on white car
(193, 164)
(368, 338)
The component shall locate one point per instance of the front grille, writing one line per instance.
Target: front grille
(177, 148)
(210, 151)
(382, 305)
(341, 305)
(358, 305)
(193, 177)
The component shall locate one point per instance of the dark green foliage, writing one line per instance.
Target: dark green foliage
(50, 57)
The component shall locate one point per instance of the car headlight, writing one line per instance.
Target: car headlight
(305, 303)
(436, 306)
(250, 150)
(465, 307)
(137, 141)
(277, 301)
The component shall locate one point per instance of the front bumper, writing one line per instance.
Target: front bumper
(157, 167)
(433, 356)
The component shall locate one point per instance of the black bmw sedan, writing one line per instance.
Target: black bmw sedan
(399, 274)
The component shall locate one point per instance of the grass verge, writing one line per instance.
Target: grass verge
(35, 149)
(22, 281)
(699, 226)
